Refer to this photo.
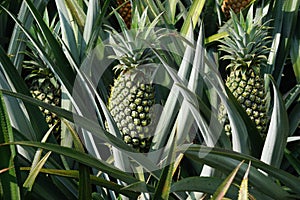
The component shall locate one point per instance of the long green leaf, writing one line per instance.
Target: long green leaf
(295, 53)
(163, 187)
(202, 184)
(77, 13)
(28, 184)
(225, 160)
(192, 16)
(294, 119)
(293, 160)
(67, 30)
(17, 39)
(9, 188)
(243, 192)
(81, 158)
(62, 67)
(94, 180)
(293, 98)
(17, 83)
(278, 130)
(285, 26)
(85, 187)
(94, 128)
(223, 188)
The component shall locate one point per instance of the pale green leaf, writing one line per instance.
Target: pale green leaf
(223, 188)
(192, 16)
(278, 130)
(35, 170)
(243, 192)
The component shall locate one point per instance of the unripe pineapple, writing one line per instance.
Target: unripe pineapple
(132, 97)
(125, 11)
(247, 55)
(130, 103)
(235, 5)
(43, 86)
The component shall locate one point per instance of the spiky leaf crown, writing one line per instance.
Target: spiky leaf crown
(247, 43)
(132, 47)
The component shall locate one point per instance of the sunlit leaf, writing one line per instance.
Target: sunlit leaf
(278, 130)
(29, 182)
(223, 188)
(243, 192)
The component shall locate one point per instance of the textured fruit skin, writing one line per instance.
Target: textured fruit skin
(125, 11)
(249, 90)
(43, 89)
(130, 103)
(246, 49)
(235, 5)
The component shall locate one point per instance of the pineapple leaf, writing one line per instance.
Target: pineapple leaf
(294, 119)
(226, 160)
(284, 23)
(94, 179)
(163, 187)
(295, 54)
(15, 46)
(243, 192)
(9, 188)
(193, 16)
(34, 171)
(93, 128)
(223, 188)
(278, 130)
(79, 157)
(36, 118)
(67, 31)
(203, 184)
(77, 13)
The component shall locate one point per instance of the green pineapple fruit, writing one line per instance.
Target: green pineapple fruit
(43, 86)
(130, 103)
(132, 95)
(246, 49)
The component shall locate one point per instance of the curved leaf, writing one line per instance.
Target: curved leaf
(278, 130)
(225, 161)
(223, 188)
(203, 184)
(81, 158)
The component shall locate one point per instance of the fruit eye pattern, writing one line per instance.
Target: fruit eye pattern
(131, 101)
(245, 80)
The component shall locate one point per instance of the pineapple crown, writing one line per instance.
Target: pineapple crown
(133, 46)
(246, 44)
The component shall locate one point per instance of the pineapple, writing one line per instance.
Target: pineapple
(246, 49)
(43, 86)
(235, 5)
(125, 11)
(130, 103)
(132, 97)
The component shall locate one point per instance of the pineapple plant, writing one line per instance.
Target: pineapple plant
(125, 10)
(132, 96)
(246, 49)
(235, 5)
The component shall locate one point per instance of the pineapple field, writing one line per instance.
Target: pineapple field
(154, 99)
